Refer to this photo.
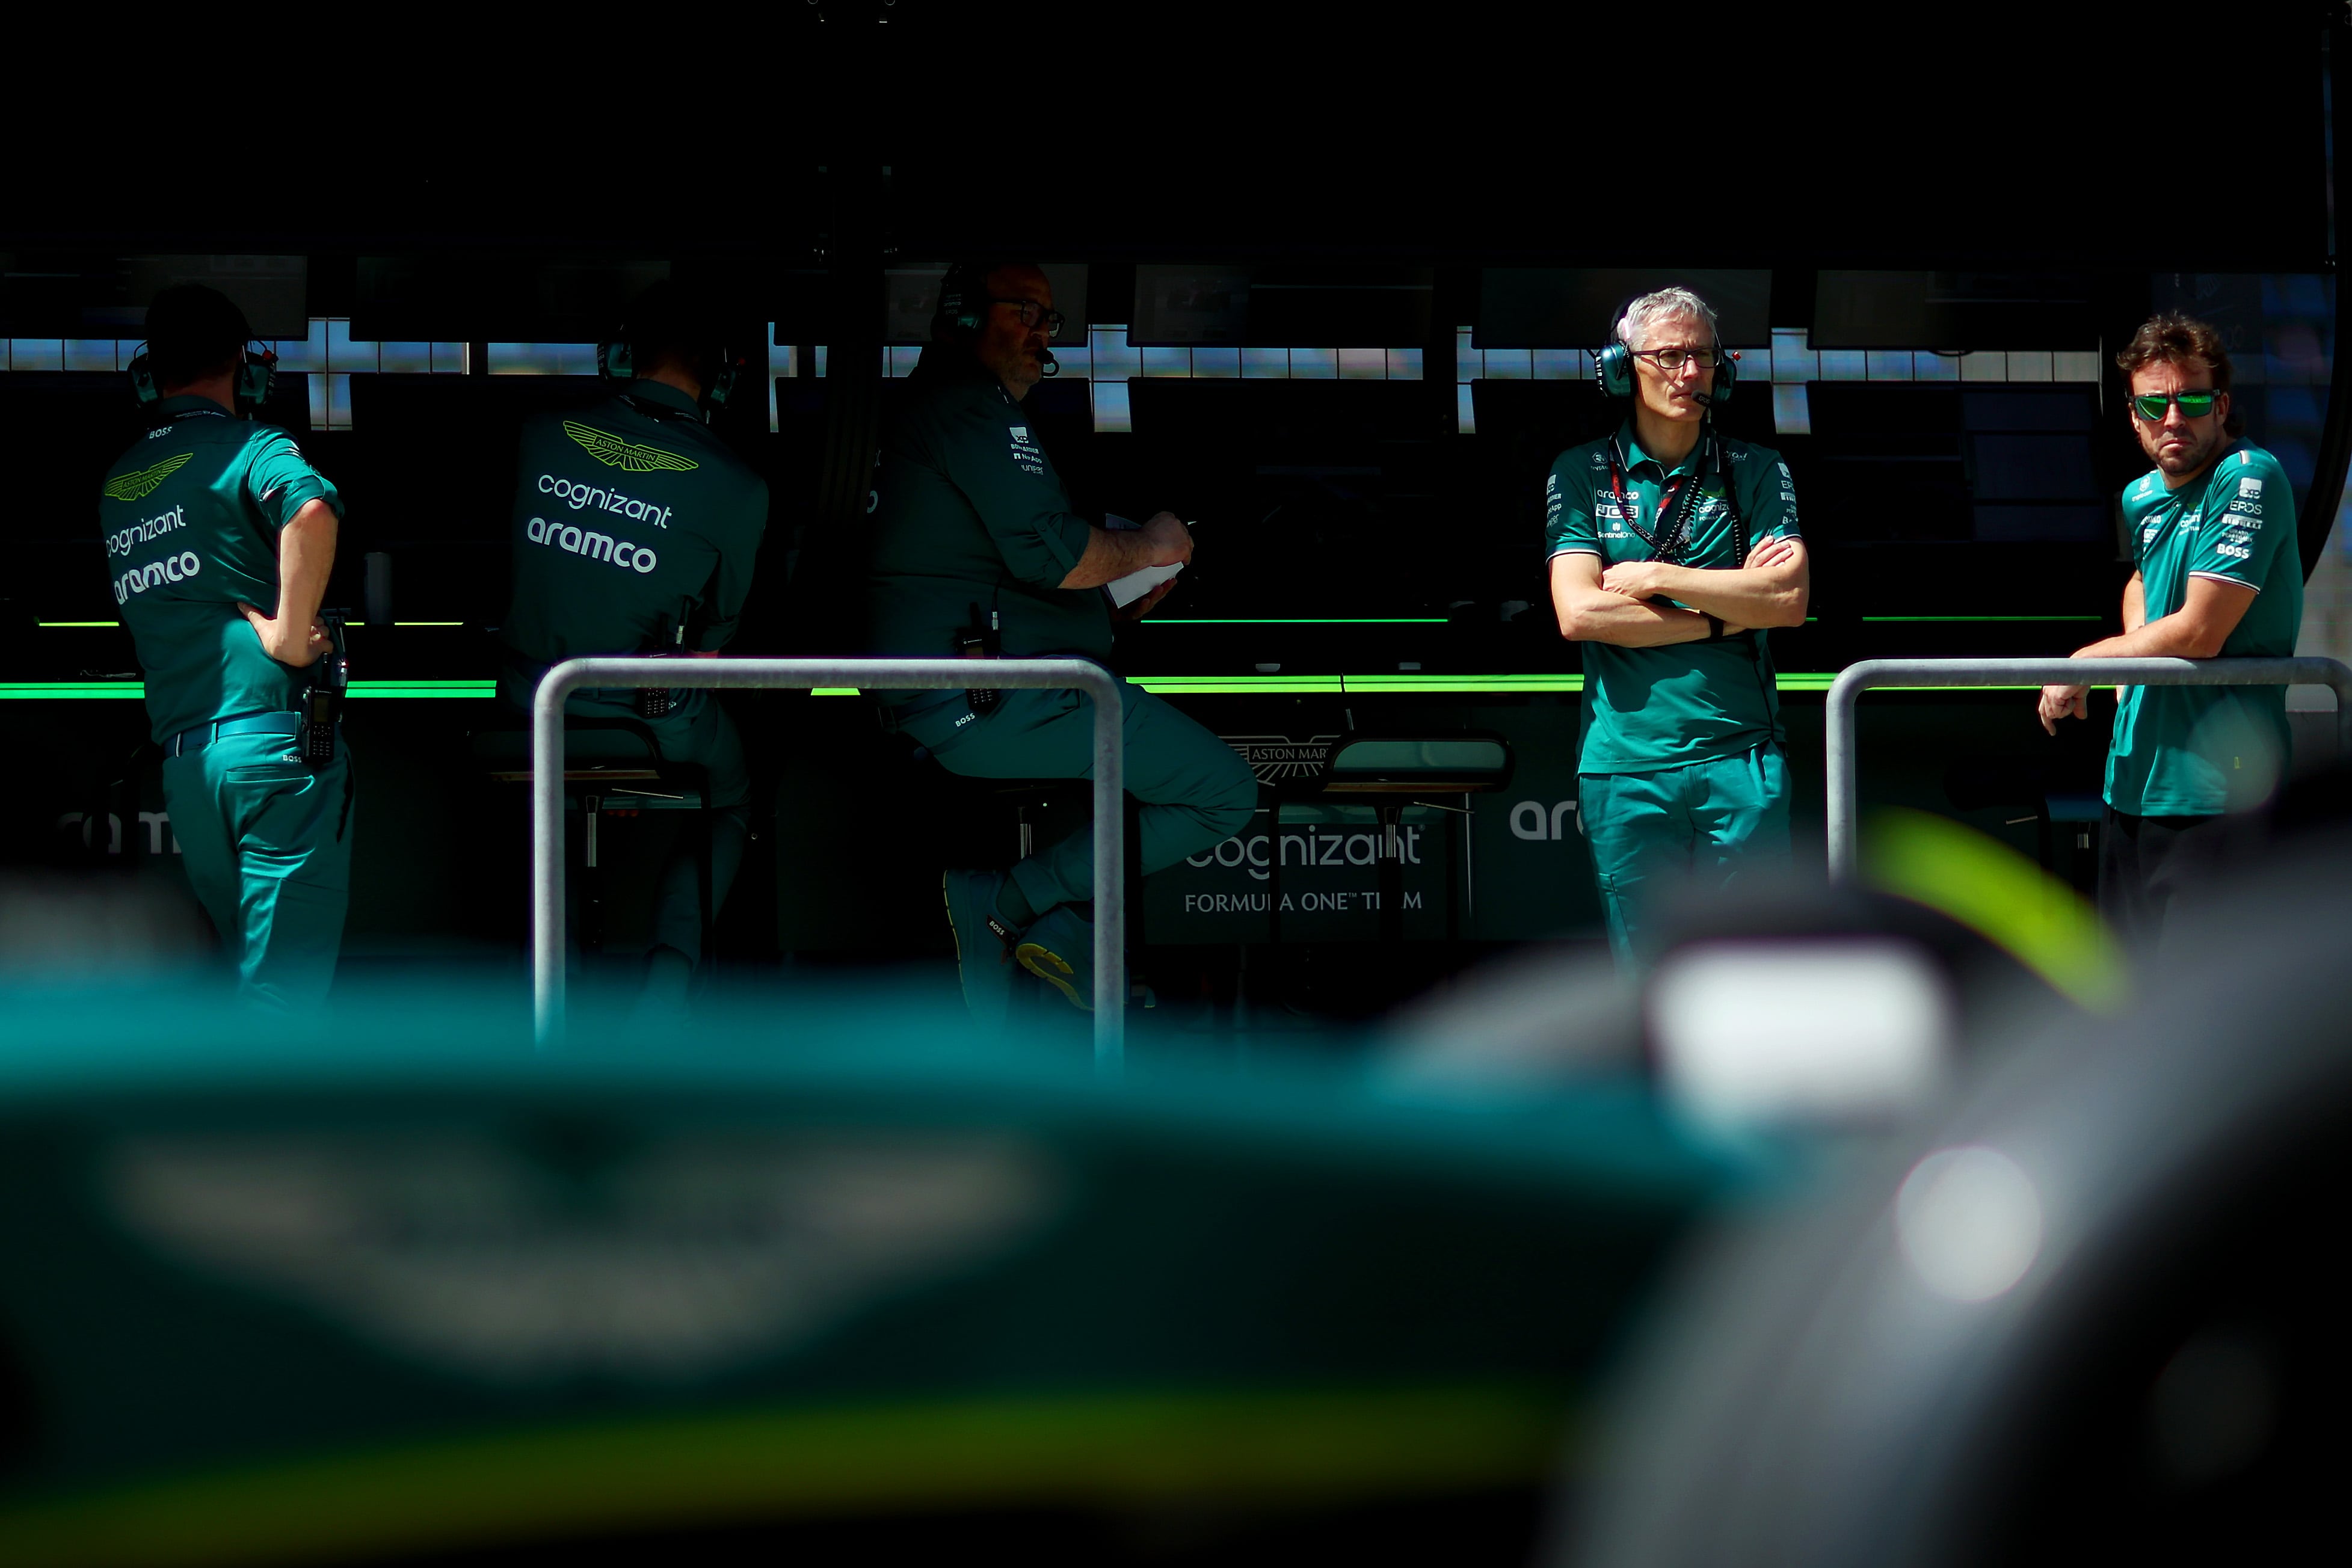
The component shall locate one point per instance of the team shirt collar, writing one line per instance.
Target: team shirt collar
(1635, 456)
(2196, 490)
(182, 404)
(648, 390)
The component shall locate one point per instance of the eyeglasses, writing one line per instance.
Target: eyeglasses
(1674, 359)
(1031, 313)
(2194, 404)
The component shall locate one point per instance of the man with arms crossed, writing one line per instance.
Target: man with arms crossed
(974, 549)
(2218, 575)
(219, 537)
(1671, 549)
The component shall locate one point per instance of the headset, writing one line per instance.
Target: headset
(1613, 365)
(963, 303)
(257, 375)
(617, 361)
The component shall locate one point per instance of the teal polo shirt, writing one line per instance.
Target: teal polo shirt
(2198, 751)
(631, 519)
(1651, 709)
(190, 517)
(968, 516)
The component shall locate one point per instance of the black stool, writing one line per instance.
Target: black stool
(611, 766)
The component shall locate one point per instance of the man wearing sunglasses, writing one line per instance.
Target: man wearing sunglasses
(1671, 549)
(974, 550)
(2219, 576)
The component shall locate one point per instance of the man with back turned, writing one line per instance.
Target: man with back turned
(634, 532)
(219, 537)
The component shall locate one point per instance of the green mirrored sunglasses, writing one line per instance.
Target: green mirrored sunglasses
(2194, 404)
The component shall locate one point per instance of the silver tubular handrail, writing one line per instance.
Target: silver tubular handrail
(1855, 679)
(872, 675)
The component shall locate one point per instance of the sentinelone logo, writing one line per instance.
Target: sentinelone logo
(594, 546)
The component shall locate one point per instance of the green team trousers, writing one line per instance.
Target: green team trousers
(1195, 790)
(1694, 825)
(266, 840)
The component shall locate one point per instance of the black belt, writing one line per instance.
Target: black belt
(204, 735)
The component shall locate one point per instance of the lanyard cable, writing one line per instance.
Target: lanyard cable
(1671, 541)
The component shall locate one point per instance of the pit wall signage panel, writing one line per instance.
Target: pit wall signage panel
(1516, 866)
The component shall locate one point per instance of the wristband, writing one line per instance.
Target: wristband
(1715, 632)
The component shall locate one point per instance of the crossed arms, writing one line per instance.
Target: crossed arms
(1623, 604)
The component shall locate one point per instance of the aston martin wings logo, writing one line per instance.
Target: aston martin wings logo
(1277, 757)
(627, 456)
(140, 483)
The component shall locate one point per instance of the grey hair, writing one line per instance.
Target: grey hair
(1674, 304)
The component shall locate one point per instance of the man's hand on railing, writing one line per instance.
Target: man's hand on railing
(2058, 702)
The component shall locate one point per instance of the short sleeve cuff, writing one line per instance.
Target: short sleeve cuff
(1067, 539)
(292, 497)
(2225, 577)
(1571, 549)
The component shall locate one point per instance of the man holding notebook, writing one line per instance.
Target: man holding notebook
(974, 551)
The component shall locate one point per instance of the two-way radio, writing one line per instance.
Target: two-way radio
(654, 702)
(978, 641)
(323, 703)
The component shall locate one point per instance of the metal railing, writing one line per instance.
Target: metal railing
(1838, 722)
(887, 675)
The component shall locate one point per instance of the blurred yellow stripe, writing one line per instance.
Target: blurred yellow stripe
(1313, 1447)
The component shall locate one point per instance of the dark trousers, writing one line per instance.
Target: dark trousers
(2149, 866)
(696, 731)
(1196, 791)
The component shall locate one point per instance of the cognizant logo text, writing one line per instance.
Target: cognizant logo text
(576, 496)
(146, 528)
(171, 569)
(594, 546)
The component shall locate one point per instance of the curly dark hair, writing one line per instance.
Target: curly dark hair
(2177, 340)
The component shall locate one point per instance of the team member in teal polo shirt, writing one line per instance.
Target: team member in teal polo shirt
(1671, 549)
(207, 518)
(2213, 534)
(975, 549)
(635, 530)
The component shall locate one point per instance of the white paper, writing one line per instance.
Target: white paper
(1126, 591)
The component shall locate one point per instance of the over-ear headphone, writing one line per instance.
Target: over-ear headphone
(961, 305)
(617, 361)
(1612, 364)
(256, 374)
(963, 301)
